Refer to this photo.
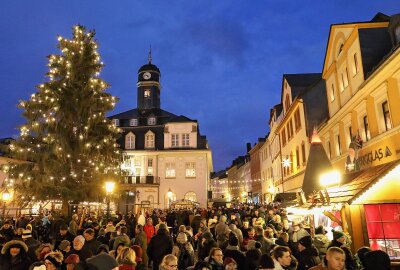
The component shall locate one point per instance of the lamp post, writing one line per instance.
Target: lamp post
(169, 195)
(5, 197)
(109, 190)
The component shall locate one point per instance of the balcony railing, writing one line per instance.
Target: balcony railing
(152, 180)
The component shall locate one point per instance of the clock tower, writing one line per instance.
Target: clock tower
(148, 86)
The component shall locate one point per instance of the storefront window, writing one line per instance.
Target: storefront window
(383, 223)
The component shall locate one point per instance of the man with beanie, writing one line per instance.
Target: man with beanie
(31, 242)
(339, 239)
(78, 249)
(160, 245)
(308, 256)
(232, 251)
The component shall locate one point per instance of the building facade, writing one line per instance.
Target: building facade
(166, 159)
(362, 135)
(304, 107)
(255, 171)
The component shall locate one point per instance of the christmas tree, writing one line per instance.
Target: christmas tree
(67, 140)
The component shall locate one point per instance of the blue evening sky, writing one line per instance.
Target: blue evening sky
(221, 61)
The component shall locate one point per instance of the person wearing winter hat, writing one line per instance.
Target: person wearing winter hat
(64, 246)
(253, 254)
(230, 264)
(206, 243)
(321, 241)
(31, 242)
(184, 251)
(71, 261)
(232, 251)
(14, 255)
(42, 251)
(308, 256)
(339, 239)
(77, 248)
(102, 261)
(53, 260)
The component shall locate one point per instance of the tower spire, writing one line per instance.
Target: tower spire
(149, 57)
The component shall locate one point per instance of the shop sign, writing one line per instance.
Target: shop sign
(372, 156)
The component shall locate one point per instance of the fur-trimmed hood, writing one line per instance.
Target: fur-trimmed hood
(8, 245)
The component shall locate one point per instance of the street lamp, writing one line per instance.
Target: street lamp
(330, 179)
(5, 197)
(109, 190)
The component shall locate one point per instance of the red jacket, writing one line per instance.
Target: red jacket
(150, 231)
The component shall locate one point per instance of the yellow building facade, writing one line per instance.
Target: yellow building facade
(362, 74)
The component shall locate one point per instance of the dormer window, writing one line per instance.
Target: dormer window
(147, 93)
(151, 121)
(130, 141)
(115, 122)
(133, 122)
(149, 140)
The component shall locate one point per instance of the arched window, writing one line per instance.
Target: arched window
(149, 140)
(340, 48)
(191, 196)
(130, 141)
(170, 197)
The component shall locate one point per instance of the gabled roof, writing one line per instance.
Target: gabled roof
(299, 82)
(379, 19)
(135, 113)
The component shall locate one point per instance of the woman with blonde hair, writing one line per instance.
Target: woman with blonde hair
(127, 259)
(169, 262)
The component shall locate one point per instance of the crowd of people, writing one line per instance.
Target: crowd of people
(245, 237)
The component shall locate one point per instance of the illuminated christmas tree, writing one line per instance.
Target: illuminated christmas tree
(67, 139)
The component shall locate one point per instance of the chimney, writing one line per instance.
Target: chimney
(248, 147)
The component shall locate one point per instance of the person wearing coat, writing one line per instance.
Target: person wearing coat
(141, 241)
(232, 251)
(182, 248)
(160, 245)
(14, 256)
(321, 241)
(308, 256)
(206, 243)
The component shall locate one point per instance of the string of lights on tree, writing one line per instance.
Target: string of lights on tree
(67, 142)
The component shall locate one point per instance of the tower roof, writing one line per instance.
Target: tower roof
(149, 66)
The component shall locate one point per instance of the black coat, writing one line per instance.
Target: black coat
(160, 245)
(22, 262)
(308, 258)
(204, 249)
(252, 259)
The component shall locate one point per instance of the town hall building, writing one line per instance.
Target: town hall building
(166, 159)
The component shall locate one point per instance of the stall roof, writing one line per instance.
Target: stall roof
(355, 184)
(286, 199)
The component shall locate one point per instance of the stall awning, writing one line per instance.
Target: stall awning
(355, 184)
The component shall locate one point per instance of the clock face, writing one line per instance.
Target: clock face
(146, 75)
